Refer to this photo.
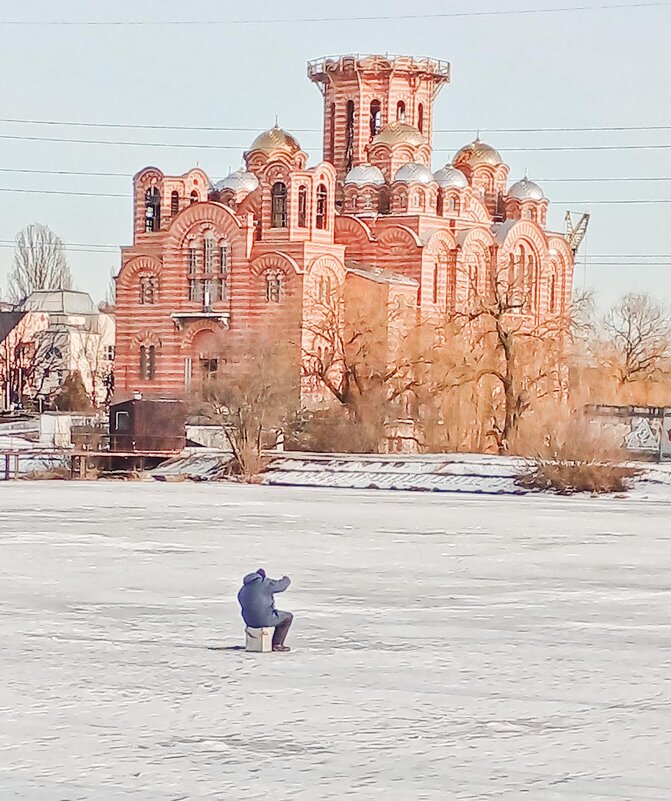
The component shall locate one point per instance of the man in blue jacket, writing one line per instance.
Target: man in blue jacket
(258, 606)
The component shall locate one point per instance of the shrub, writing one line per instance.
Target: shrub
(578, 457)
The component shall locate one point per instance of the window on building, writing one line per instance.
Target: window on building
(110, 353)
(420, 117)
(122, 422)
(349, 134)
(321, 218)
(400, 111)
(208, 255)
(174, 203)
(553, 291)
(375, 118)
(152, 210)
(278, 195)
(224, 268)
(273, 286)
(440, 204)
(324, 289)
(332, 125)
(193, 198)
(436, 279)
(193, 259)
(148, 289)
(209, 368)
(302, 206)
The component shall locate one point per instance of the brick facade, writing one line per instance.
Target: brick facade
(368, 224)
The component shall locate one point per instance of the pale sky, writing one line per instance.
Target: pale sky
(593, 68)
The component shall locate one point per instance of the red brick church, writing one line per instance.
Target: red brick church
(372, 224)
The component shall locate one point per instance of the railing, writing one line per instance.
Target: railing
(96, 442)
(434, 66)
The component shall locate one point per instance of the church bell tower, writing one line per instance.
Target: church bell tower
(362, 94)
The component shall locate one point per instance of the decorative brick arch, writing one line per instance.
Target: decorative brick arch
(197, 328)
(220, 217)
(149, 175)
(274, 261)
(140, 264)
(399, 239)
(353, 230)
(441, 241)
(147, 337)
(525, 231)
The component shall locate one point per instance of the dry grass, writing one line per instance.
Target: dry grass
(578, 457)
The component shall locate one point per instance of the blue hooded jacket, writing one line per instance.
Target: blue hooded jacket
(257, 602)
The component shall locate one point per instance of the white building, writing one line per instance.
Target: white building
(77, 337)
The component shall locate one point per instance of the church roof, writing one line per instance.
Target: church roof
(396, 133)
(275, 139)
(477, 152)
(526, 190)
(377, 274)
(413, 173)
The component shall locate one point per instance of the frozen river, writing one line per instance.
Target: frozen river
(445, 647)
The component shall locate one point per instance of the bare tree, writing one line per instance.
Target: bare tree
(17, 366)
(39, 263)
(638, 335)
(517, 357)
(257, 393)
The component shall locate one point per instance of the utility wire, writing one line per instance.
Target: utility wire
(372, 18)
(226, 129)
(550, 148)
(128, 196)
(104, 174)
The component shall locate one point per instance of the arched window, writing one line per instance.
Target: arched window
(193, 198)
(440, 206)
(325, 289)
(553, 291)
(174, 203)
(208, 255)
(375, 118)
(420, 117)
(273, 286)
(224, 270)
(148, 289)
(349, 134)
(152, 210)
(322, 207)
(147, 362)
(278, 195)
(456, 205)
(302, 206)
(400, 111)
(332, 124)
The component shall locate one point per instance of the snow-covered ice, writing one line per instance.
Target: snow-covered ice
(445, 647)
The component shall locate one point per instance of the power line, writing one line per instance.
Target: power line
(375, 18)
(105, 174)
(128, 196)
(191, 146)
(229, 129)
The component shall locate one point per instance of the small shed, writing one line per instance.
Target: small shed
(147, 426)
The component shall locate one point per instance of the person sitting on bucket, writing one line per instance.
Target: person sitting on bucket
(258, 606)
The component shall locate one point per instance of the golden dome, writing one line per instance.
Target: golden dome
(478, 153)
(397, 133)
(275, 139)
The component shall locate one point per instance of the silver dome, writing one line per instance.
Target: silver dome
(365, 174)
(449, 176)
(238, 180)
(526, 190)
(414, 173)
